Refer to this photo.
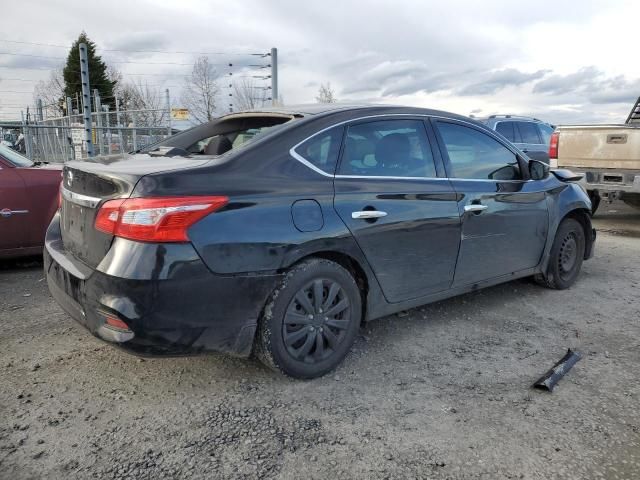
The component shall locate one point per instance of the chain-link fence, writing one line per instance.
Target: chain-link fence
(58, 140)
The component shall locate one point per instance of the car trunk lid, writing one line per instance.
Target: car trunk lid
(87, 185)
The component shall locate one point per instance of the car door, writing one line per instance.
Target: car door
(391, 193)
(504, 217)
(531, 142)
(13, 209)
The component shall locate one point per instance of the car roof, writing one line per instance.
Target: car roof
(321, 109)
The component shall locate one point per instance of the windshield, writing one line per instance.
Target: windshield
(14, 157)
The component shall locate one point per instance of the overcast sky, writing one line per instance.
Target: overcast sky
(562, 61)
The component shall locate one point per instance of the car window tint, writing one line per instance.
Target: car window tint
(322, 150)
(506, 130)
(528, 132)
(388, 148)
(475, 155)
(545, 132)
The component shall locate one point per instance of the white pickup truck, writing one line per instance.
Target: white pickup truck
(608, 156)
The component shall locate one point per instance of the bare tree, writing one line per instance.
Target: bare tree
(326, 94)
(140, 96)
(51, 92)
(247, 95)
(200, 91)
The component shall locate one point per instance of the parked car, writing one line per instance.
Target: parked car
(607, 156)
(530, 135)
(279, 232)
(28, 200)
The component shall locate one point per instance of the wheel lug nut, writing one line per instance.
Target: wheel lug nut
(310, 317)
(311, 328)
(326, 319)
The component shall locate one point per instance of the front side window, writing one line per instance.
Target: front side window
(475, 155)
(388, 148)
(322, 149)
(528, 132)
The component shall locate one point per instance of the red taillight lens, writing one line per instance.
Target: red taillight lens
(60, 196)
(553, 145)
(162, 219)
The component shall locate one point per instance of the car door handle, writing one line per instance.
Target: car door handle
(7, 212)
(365, 214)
(475, 208)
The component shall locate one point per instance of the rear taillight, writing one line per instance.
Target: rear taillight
(161, 219)
(60, 196)
(553, 145)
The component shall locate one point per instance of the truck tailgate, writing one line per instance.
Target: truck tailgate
(599, 146)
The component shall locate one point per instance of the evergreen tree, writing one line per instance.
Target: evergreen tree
(98, 77)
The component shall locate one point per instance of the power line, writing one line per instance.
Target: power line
(252, 54)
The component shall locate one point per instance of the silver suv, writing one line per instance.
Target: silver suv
(528, 134)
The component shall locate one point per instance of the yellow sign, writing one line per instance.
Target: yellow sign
(180, 113)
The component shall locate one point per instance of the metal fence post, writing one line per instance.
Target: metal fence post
(69, 135)
(26, 138)
(108, 125)
(134, 136)
(98, 109)
(86, 97)
(274, 76)
(119, 120)
(168, 113)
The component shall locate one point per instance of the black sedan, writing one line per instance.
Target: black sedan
(279, 232)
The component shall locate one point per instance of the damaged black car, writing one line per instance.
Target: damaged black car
(278, 232)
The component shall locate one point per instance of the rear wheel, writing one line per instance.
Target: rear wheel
(311, 320)
(567, 254)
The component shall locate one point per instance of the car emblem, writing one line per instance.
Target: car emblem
(69, 177)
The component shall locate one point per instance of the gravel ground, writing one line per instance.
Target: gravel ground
(442, 391)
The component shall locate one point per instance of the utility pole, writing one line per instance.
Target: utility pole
(168, 112)
(86, 98)
(274, 76)
(98, 107)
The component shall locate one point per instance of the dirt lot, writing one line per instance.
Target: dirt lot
(441, 392)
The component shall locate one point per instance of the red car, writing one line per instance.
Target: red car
(28, 200)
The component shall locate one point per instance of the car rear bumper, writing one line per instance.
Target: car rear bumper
(622, 181)
(170, 301)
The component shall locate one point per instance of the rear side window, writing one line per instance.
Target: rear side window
(388, 148)
(475, 155)
(322, 149)
(507, 130)
(528, 132)
(545, 132)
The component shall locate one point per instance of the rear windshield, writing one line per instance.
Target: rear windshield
(221, 136)
(14, 157)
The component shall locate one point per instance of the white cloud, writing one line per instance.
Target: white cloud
(567, 61)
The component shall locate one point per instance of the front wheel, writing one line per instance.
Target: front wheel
(311, 320)
(567, 254)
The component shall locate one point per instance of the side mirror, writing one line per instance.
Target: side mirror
(538, 170)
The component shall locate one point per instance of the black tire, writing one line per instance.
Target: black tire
(567, 254)
(305, 338)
